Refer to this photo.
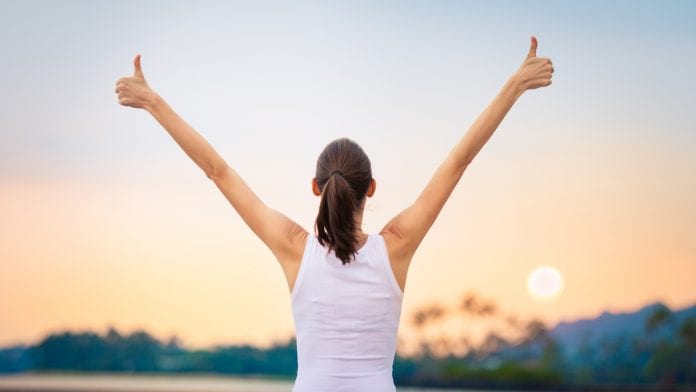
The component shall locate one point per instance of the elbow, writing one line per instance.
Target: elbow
(214, 172)
(460, 165)
(465, 164)
(467, 158)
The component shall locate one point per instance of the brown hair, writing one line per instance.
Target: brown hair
(343, 175)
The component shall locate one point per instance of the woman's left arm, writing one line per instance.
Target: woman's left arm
(281, 234)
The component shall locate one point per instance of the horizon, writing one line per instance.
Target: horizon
(183, 344)
(186, 345)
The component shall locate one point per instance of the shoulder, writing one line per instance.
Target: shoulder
(291, 260)
(299, 238)
(397, 247)
(292, 251)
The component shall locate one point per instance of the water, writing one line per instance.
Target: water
(159, 383)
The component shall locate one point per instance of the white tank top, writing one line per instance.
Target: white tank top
(346, 319)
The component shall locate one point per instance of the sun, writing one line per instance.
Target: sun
(545, 283)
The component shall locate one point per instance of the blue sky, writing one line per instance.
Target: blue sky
(310, 71)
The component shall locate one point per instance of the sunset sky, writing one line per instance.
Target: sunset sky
(105, 221)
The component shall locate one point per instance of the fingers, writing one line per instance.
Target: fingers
(138, 69)
(532, 48)
(542, 63)
(540, 82)
(547, 66)
(120, 83)
(120, 95)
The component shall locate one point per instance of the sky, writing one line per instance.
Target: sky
(104, 221)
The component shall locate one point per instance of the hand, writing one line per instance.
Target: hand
(535, 71)
(133, 90)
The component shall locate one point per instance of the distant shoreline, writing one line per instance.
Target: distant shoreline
(75, 381)
(148, 374)
(139, 382)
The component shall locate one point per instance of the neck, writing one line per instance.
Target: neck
(358, 223)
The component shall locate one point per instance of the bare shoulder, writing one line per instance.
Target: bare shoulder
(396, 242)
(290, 252)
(290, 262)
(298, 240)
(399, 256)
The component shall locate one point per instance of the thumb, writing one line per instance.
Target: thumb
(138, 70)
(532, 48)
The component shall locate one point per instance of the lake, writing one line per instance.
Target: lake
(147, 383)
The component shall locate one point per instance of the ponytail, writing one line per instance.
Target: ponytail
(343, 175)
(335, 222)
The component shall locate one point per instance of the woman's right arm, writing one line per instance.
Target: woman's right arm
(282, 235)
(405, 231)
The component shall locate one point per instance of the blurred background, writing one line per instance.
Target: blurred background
(565, 256)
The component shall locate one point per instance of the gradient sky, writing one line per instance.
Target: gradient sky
(105, 221)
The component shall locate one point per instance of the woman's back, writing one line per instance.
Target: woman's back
(346, 318)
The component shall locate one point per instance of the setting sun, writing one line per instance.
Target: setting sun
(545, 283)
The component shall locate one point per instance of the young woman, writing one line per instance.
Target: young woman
(346, 285)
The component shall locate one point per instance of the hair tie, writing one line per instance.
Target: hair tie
(336, 172)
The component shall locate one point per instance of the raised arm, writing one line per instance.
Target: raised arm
(282, 235)
(405, 232)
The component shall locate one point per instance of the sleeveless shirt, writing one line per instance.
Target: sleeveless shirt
(346, 319)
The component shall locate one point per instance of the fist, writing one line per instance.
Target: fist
(133, 90)
(535, 71)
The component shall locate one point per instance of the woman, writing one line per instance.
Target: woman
(346, 285)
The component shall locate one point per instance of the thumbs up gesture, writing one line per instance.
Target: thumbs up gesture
(535, 71)
(133, 90)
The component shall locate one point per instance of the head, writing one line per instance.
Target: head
(344, 180)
